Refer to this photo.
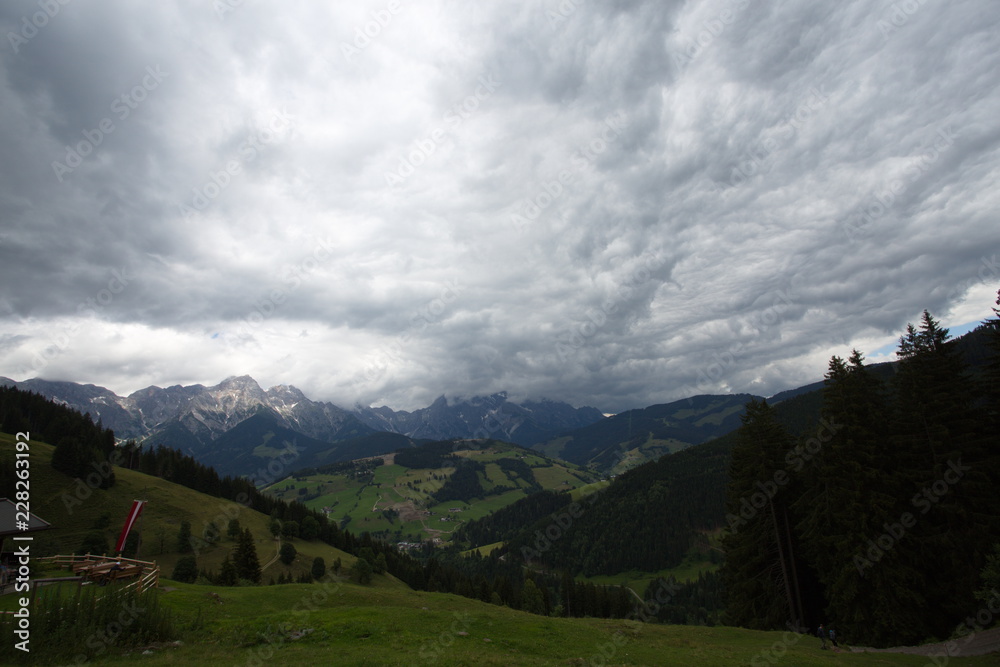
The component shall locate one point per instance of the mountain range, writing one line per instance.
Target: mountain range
(239, 428)
(220, 424)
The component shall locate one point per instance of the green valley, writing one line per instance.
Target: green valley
(425, 493)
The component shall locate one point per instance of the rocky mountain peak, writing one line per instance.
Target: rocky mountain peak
(208, 412)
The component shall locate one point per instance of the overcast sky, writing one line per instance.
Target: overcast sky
(609, 203)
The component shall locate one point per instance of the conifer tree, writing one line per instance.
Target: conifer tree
(362, 571)
(567, 589)
(850, 512)
(94, 542)
(760, 569)
(186, 570)
(950, 467)
(245, 558)
(531, 598)
(184, 538)
(227, 573)
(318, 567)
(991, 380)
(64, 458)
(379, 566)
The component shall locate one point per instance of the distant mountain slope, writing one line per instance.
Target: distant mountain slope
(633, 437)
(491, 416)
(193, 419)
(264, 449)
(102, 404)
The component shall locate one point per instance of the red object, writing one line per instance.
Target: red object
(133, 516)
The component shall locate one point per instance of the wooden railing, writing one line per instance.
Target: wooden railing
(148, 578)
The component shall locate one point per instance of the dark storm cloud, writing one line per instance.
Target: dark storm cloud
(608, 203)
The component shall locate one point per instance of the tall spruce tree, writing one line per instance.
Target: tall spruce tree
(245, 558)
(948, 463)
(227, 573)
(991, 380)
(850, 504)
(183, 542)
(760, 570)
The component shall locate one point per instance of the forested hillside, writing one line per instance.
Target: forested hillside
(82, 447)
(883, 520)
(636, 436)
(82, 442)
(815, 482)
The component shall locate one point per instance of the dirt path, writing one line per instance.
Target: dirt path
(277, 552)
(975, 643)
(435, 532)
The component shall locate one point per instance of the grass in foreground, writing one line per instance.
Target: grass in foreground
(346, 624)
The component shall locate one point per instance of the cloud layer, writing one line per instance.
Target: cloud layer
(613, 204)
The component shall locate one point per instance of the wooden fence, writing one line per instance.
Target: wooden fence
(148, 578)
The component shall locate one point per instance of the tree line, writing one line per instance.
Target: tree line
(881, 520)
(82, 446)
